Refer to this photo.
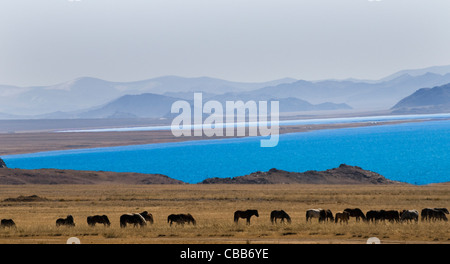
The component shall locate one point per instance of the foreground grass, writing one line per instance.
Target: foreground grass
(213, 207)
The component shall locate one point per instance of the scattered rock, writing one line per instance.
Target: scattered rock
(31, 198)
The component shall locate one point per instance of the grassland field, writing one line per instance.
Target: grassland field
(213, 207)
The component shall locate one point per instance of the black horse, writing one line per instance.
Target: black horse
(383, 215)
(374, 216)
(181, 219)
(391, 215)
(135, 219)
(245, 214)
(356, 212)
(98, 219)
(274, 215)
(445, 210)
(68, 221)
(329, 215)
(7, 223)
(434, 214)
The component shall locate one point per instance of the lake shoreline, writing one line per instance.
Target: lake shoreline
(375, 146)
(36, 142)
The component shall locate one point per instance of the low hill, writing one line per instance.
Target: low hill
(56, 176)
(344, 174)
(426, 100)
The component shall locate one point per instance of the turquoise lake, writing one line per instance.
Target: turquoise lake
(417, 153)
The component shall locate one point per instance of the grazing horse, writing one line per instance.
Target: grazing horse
(68, 221)
(374, 215)
(245, 214)
(434, 214)
(98, 219)
(437, 215)
(391, 216)
(135, 219)
(274, 215)
(181, 219)
(147, 216)
(410, 215)
(7, 223)
(316, 213)
(342, 217)
(356, 212)
(445, 210)
(329, 215)
(425, 214)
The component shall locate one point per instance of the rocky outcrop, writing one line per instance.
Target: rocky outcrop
(2, 164)
(344, 174)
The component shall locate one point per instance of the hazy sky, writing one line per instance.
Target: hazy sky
(45, 42)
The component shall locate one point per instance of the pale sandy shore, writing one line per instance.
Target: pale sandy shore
(20, 143)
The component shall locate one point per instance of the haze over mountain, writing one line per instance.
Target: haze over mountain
(426, 100)
(357, 94)
(157, 106)
(87, 92)
(441, 70)
(88, 97)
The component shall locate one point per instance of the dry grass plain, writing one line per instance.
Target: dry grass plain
(213, 207)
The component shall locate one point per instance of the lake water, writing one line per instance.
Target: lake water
(417, 153)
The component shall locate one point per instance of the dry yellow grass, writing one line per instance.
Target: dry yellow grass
(213, 207)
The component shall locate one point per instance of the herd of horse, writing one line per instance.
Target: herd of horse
(141, 219)
(427, 214)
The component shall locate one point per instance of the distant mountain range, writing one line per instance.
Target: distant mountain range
(156, 106)
(86, 92)
(95, 98)
(359, 95)
(426, 100)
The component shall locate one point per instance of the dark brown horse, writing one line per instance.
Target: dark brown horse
(245, 214)
(7, 223)
(356, 212)
(274, 215)
(68, 221)
(342, 217)
(181, 219)
(98, 219)
(135, 219)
